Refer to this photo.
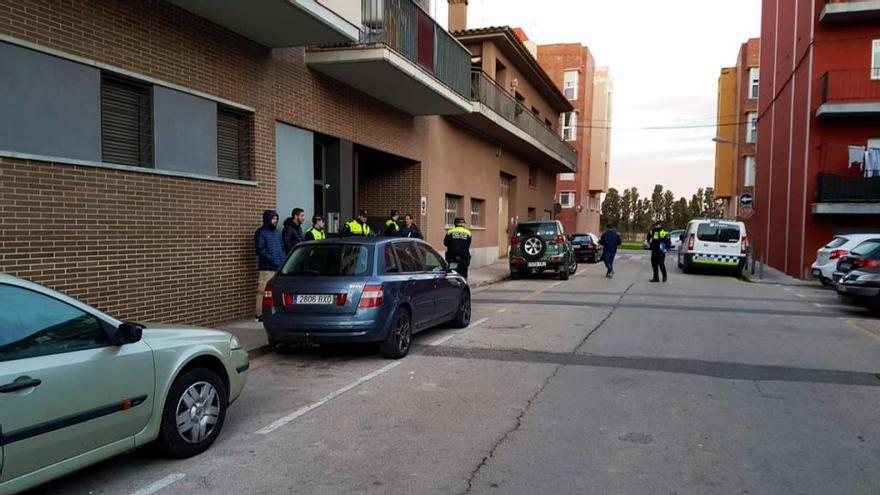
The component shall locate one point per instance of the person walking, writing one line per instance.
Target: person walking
(410, 229)
(270, 255)
(293, 231)
(316, 233)
(458, 247)
(392, 227)
(358, 226)
(660, 242)
(610, 241)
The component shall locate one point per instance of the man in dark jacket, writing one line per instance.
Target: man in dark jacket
(660, 242)
(270, 254)
(293, 231)
(410, 229)
(392, 227)
(458, 247)
(610, 241)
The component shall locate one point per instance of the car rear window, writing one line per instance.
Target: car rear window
(867, 248)
(538, 229)
(582, 239)
(836, 242)
(721, 232)
(329, 260)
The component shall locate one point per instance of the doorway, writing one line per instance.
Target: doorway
(504, 219)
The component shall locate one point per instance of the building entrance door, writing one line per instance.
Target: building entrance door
(504, 217)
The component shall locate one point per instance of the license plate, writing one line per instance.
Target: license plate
(314, 299)
(537, 264)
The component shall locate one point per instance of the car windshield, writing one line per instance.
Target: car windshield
(867, 248)
(836, 242)
(328, 260)
(539, 229)
(718, 232)
(581, 239)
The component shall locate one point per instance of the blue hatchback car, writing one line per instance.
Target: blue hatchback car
(363, 290)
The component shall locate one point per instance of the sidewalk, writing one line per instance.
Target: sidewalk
(773, 276)
(253, 337)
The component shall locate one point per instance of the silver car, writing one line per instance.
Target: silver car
(78, 386)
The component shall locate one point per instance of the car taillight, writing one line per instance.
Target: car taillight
(591, 245)
(692, 240)
(745, 244)
(268, 300)
(341, 299)
(865, 263)
(514, 241)
(837, 253)
(560, 239)
(287, 299)
(372, 296)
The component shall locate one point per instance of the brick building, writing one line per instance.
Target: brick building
(819, 95)
(141, 140)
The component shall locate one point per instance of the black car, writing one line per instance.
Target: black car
(586, 248)
(861, 287)
(865, 255)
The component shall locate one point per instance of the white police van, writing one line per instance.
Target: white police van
(708, 243)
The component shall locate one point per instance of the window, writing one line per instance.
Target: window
(566, 177)
(233, 145)
(32, 324)
(328, 260)
(750, 171)
(411, 259)
(752, 127)
(533, 176)
(390, 261)
(533, 214)
(723, 232)
(595, 202)
(875, 60)
(536, 112)
(126, 122)
(867, 248)
(836, 242)
(433, 261)
(754, 79)
(543, 229)
(570, 84)
(453, 209)
(478, 212)
(569, 126)
(567, 199)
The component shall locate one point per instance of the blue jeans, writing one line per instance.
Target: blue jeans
(609, 261)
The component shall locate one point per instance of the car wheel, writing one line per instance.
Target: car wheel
(533, 247)
(826, 282)
(573, 267)
(399, 338)
(194, 413)
(463, 315)
(564, 272)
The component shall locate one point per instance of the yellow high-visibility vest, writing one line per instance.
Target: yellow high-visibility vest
(357, 229)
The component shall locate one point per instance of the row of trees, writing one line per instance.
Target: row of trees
(634, 214)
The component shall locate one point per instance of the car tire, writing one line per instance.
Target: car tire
(201, 394)
(399, 340)
(827, 283)
(573, 267)
(463, 315)
(564, 272)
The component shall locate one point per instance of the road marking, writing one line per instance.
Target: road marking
(800, 295)
(833, 306)
(502, 310)
(863, 330)
(306, 409)
(161, 484)
(443, 340)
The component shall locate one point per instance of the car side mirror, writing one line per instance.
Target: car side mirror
(129, 333)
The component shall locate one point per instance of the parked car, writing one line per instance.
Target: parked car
(827, 257)
(861, 287)
(363, 290)
(586, 247)
(540, 246)
(865, 255)
(78, 386)
(676, 236)
(720, 244)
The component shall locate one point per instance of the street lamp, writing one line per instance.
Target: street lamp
(719, 140)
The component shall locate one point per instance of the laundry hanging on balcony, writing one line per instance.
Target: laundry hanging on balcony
(872, 162)
(857, 157)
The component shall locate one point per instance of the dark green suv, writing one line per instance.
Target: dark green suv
(541, 246)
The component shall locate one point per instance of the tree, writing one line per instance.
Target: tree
(657, 203)
(642, 221)
(680, 214)
(611, 208)
(626, 211)
(712, 207)
(668, 204)
(696, 206)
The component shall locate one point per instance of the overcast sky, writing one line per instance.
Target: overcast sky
(664, 56)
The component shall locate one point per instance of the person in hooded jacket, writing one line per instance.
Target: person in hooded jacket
(293, 231)
(270, 254)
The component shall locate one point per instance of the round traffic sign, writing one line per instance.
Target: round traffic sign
(746, 199)
(746, 212)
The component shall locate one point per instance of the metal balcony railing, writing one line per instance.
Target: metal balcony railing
(851, 86)
(487, 92)
(407, 29)
(835, 188)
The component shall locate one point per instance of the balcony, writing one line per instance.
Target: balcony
(276, 23)
(841, 11)
(501, 117)
(840, 195)
(850, 94)
(402, 57)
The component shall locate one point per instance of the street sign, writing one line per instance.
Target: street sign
(746, 200)
(746, 212)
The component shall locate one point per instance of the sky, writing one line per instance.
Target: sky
(664, 57)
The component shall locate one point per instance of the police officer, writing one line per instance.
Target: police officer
(358, 226)
(316, 233)
(392, 227)
(458, 247)
(660, 242)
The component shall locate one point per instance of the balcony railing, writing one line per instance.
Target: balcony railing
(851, 86)
(407, 29)
(835, 188)
(487, 92)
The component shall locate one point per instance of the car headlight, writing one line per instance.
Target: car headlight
(234, 344)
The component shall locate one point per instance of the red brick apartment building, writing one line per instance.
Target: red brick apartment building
(140, 140)
(819, 95)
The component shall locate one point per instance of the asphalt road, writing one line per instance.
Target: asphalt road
(704, 385)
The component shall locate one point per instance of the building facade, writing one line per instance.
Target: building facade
(140, 141)
(819, 96)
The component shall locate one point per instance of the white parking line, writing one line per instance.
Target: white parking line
(443, 340)
(832, 306)
(502, 310)
(161, 484)
(305, 409)
(800, 295)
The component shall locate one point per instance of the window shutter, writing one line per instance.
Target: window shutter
(126, 123)
(232, 145)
